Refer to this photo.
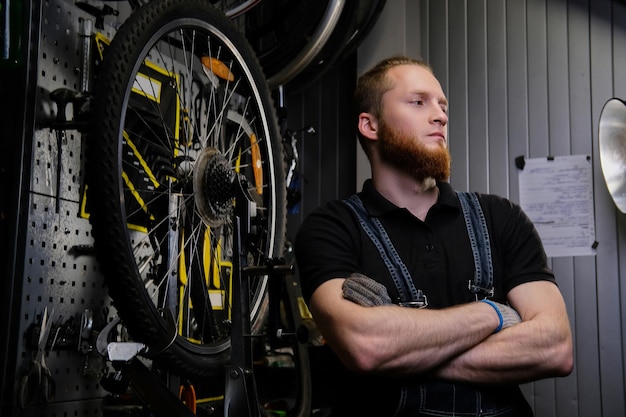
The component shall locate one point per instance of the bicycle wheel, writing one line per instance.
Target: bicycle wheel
(181, 108)
(297, 42)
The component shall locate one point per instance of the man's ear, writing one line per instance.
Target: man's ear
(368, 126)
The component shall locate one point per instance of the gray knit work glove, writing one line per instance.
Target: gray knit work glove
(365, 291)
(507, 315)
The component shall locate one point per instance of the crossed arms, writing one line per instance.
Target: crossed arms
(457, 343)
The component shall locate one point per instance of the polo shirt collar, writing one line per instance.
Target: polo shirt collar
(377, 205)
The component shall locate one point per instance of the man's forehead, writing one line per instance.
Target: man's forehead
(410, 70)
(415, 79)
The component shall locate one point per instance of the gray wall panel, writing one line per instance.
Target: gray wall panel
(497, 98)
(558, 78)
(477, 94)
(584, 318)
(438, 29)
(586, 347)
(517, 85)
(538, 145)
(619, 48)
(579, 64)
(458, 87)
(566, 390)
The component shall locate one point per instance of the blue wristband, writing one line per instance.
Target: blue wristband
(491, 303)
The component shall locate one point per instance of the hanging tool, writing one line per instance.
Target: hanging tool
(38, 383)
(62, 97)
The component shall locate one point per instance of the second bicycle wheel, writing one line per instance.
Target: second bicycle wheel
(182, 109)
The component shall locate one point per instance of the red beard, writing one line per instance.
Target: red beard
(409, 155)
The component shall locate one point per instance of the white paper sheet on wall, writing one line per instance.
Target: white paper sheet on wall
(557, 194)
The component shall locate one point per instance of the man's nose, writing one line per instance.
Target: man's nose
(440, 116)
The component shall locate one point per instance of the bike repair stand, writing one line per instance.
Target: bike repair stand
(240, 396)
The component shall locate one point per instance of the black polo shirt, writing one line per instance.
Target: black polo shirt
(437, 252)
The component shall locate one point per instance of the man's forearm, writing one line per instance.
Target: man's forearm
(392, 339)
(531, 350)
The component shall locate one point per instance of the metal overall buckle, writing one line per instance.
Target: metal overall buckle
(476, 290)
(421, 302)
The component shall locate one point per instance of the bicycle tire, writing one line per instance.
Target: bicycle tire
(297, 42)
(286, 35)
(162, 117)
(355, 22)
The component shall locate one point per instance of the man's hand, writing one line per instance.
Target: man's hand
(365, 291)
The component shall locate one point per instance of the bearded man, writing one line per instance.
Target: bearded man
(433, 302)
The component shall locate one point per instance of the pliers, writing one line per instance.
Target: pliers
(38, 383)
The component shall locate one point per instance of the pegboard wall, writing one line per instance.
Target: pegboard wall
(61, 275)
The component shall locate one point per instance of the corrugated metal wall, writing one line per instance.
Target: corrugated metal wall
(530, 77)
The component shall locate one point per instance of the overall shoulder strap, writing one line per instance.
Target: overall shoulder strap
(482, 285)
(409, 295)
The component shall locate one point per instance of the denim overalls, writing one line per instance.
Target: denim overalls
(432, 397)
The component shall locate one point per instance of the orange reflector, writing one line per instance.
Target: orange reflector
(218, 68)
(256, 164)
(188, 396)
